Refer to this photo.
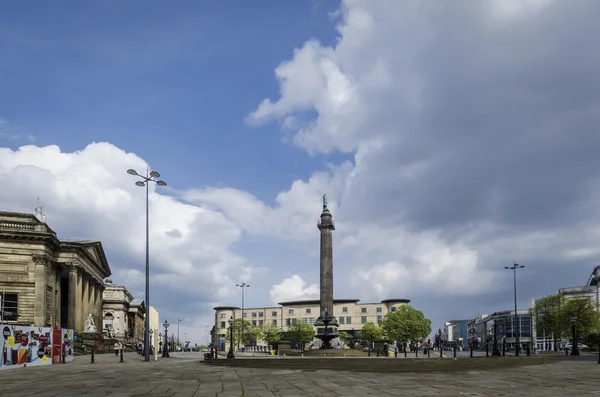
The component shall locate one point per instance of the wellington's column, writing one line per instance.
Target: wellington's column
(326, 226)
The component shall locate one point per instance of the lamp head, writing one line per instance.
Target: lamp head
(161, 183)
(154, 174)
(140, 183)
(231, 320)
(132, 172)
(166, 324)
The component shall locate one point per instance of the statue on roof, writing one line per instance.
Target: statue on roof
(324, 202)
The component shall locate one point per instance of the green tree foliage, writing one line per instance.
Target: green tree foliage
(406, 323)
(271, 333)
(369, 332)
(549, 317)
(254, 335)
(345, 337)
(300, 332)
(584, 311)
(237, 331)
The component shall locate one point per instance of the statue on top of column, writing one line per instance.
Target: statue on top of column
(324, 202)
(90, 326)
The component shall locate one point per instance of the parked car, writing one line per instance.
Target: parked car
(579, 345)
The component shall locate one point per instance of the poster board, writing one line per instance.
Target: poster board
(32, 346)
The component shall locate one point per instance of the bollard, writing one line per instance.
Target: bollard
(369, 352)
(417, 352)
(92, 361)
(441, 351)
(396, 353)
(454, 351)
(487, 350)
(428, 352)
(528, 351)
(377, 352)
(121, 354)
(503, 349)
(63, 357)
(404, 351)
(566, 351)
(471, 349)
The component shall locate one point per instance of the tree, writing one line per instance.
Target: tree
(369, 332)
(549, 319)
(345, 337)
(584, 311)
(271, 333)
(300, 332)
(254, 335)
(406, 323)
(237, 331)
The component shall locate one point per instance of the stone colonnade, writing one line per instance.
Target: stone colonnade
(84, 296)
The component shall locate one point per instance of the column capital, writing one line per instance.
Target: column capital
(73, 266)
(41, 260)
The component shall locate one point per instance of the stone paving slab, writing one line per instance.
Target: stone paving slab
(184, 375)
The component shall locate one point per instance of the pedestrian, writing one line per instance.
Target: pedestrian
(116, 348)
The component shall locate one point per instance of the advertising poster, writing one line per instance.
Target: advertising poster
(25, 346)
(68, 340)
(56, 345)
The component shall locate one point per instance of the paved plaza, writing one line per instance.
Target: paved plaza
(184, 375)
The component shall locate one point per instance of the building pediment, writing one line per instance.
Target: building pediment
(90, 250)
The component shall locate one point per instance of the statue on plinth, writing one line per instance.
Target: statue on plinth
(90, 326)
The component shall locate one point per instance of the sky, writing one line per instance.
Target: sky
(452, 139)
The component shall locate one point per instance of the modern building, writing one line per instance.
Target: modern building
(45, 281)
(505, 328)
(591, 289)
(350, 314)
(457, 331)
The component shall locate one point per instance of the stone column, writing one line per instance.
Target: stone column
(41, 262)
(73, 276)
(85, 296)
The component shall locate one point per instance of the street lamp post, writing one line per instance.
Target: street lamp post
(230, 354)
(242, 286)
(178, 321)
(166, 342)
(150, 177)
(575, 345)
(516, 329)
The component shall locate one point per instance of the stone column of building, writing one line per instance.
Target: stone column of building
(41, 262)
(85, 295)
(326, 226)
(73, 278)
(57, 297)
(79, 312)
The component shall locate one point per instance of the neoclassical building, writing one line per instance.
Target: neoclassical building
(350, 314)
(46, 281)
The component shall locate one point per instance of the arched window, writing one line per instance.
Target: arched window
(108, 320)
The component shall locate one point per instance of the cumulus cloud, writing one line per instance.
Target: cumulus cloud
(293, 288)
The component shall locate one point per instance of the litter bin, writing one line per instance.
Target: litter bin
(243, 349)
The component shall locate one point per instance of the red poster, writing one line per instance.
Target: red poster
(56, 344)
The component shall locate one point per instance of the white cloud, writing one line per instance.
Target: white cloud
(293, 288)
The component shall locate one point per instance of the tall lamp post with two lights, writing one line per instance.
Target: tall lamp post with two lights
(516, 329)
(150, 177)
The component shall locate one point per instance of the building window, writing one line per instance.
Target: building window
(308, 310)
(348, 320)
(378, 310)
(341, 320)
(363, 320)
(287, 322)
(379, 319)
(274, 314)
(245, 315)
(393, 309)
(294, 320)
(305, 319)
(344, 309)
(291, 311)
(222, 315)
(274, 322)
(222, 324)
(260, 314)
(108, 320)
(254, 323)
(10, 304)
(311, 320)
(254, 314)
(260, 322)
(363, 309)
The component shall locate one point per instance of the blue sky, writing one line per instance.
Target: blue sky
(161, 80)
(452, 138)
